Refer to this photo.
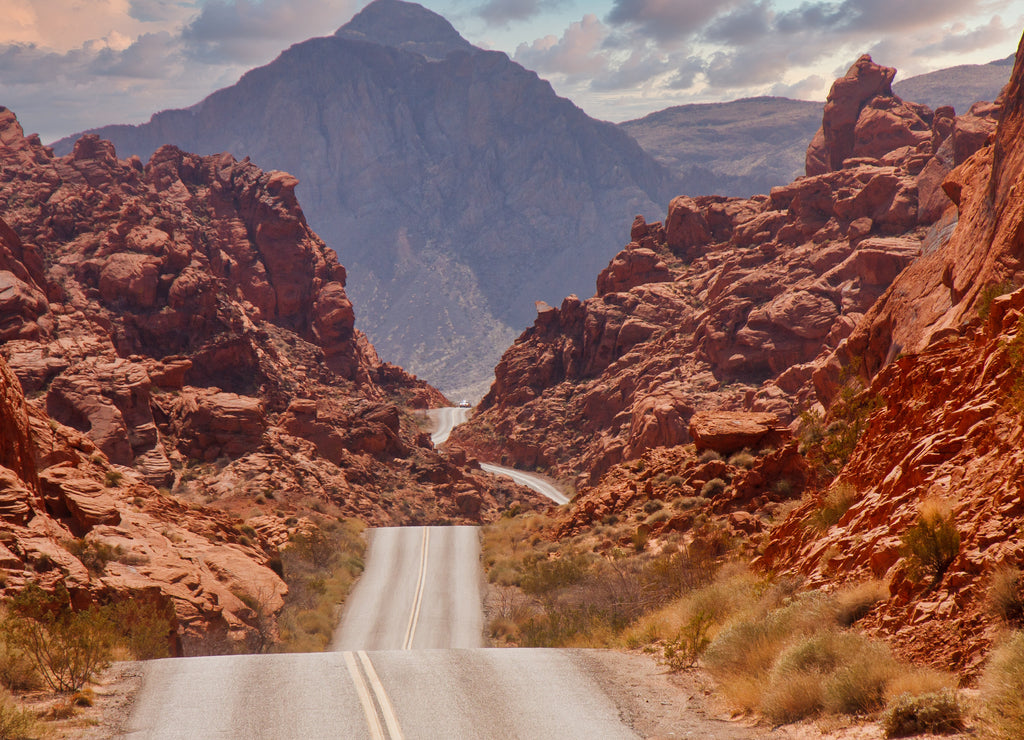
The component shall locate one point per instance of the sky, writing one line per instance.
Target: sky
(68, 65)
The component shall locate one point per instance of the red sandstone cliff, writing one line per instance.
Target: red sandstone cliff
(949, 426)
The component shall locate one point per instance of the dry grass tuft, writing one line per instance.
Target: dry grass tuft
(1002, 691)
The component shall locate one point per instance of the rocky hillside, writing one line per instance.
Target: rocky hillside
(732, 304)
(948, 428)
(454, 184)
(182, 387)
(866, 295)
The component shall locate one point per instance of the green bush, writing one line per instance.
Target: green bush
(932, 542)
(939, 713)
(66, 647)
(1002, 691)
(690, 643)
(16, 723)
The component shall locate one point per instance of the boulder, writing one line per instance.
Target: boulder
(729, 431)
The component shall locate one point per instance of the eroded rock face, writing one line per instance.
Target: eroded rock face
(948, 429)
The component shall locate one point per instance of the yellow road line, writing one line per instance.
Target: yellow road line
(414, 615)
(394, 730)
(376, 731)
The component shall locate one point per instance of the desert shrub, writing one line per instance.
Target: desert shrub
(854, 602)
(742, 654)
(142, 627)
(839, 672)
(713, 487)
(1006, 595)
(67, 648)
(989, 293)
(858, 685)
(543, 576)
(783, 487)
(932, 542)
(16, 723)
(743, 459)
(320, 567)
(708, 456)
(836, 502)
(113, 478)
(94, 554)
(653, 505)
(17, 671)
(828, 441)
(676, 481)
(690, 642)
(939, 713)
(1002, 691)
(657, 517)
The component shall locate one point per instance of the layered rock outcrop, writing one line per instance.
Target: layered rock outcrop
(189, 354)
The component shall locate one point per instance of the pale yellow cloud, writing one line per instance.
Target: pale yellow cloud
(63, 25)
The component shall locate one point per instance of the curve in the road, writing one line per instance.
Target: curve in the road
(446, 419)
(541, 485)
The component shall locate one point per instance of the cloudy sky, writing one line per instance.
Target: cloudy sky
(67, 65)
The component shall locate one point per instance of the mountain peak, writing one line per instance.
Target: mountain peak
(406, 26)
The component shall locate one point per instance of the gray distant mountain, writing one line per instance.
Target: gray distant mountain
(456, 187)
(738, 148)
(961, 86)
(749, 146)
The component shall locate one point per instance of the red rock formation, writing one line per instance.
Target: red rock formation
(174, 325)
(732, 304)
(949, 427)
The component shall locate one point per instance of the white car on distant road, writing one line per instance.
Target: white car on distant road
(464, 404)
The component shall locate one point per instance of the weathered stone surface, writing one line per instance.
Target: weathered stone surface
(729, 431)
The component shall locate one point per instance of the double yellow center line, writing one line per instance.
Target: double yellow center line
(417, 600)
(372, 680)
(373, 719)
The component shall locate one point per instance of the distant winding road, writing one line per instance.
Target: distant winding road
(446, 419)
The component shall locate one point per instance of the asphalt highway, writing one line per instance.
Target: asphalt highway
(436, 694)
(420, 589)
(407, 662)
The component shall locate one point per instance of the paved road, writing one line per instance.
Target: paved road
(538, 483)
(450, 694)
(420, 589)
(446, 419)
